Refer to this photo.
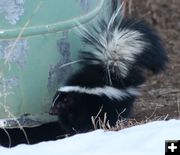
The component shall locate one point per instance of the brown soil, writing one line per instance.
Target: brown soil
(161, 94)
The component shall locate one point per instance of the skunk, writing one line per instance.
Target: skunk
(118, 51)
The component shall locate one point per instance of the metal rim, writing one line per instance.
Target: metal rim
(51, 28)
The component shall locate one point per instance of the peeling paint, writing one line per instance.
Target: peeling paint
(58, 75)
(12, 10)
(19, 53)
(7, 84)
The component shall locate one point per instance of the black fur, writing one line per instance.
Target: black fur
(75, 109)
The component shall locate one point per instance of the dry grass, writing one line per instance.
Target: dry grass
(122, 123)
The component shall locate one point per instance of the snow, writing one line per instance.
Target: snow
(138, 140)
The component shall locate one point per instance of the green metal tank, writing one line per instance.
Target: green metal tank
(36, 38)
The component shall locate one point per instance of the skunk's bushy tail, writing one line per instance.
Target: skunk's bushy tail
(120, 45)
(112, 70)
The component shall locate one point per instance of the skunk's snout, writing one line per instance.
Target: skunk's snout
(53, 110)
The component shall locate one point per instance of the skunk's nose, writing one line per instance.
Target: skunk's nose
(53, 111)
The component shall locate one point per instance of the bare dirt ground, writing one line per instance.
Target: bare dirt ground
(161, 94)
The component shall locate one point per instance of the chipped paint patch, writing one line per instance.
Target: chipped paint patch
(12, 10)
(7, 84)
(58, 75)
(19, 53)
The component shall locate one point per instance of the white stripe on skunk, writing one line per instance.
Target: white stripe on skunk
(110, 92)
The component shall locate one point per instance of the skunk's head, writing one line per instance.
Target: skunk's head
(63, 102)
(70, 109)
(63, 107)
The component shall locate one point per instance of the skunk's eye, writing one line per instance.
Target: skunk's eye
(65, 100)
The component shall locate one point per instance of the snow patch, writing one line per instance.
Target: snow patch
(138, 140)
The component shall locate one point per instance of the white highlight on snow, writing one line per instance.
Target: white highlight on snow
(147, 139)
(111, 92)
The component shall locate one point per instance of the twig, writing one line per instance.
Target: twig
(148, 118)
(178, 106)
(9, 52)
(9, 137)
(70, 63)
(94, 119)
(130, 5)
